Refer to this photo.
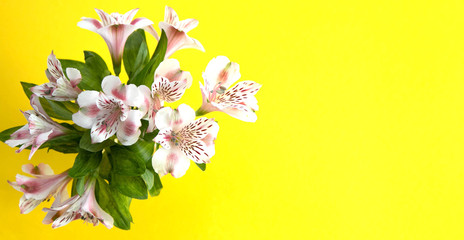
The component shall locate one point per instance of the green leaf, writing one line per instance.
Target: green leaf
(157, 185)
(135, 53)
(27, 88)
(143, 149)
(86, 143)
(93, 70)
(149, 178)
(68, 143)
(105, 166)
(114, 203)
(130, 186)
(126, 162)
(5, 135)
(202, 166)
(85, 163)
(78, 186)
(59, 110)
(146, 74)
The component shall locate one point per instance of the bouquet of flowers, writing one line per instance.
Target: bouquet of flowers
(124, 137)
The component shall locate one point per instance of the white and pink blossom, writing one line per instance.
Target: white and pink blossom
(169, 85)
(239, 101)
(60, 87)
(39, 129)
(83, 207)
(115, 28)
(176, 32)
(182, 138)
(116, 110)
(41, 188)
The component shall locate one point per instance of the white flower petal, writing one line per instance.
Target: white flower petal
(170, 16)
(129, 130)
(188, 24)
(128, 16)
(74, 76)
(141, 22)
(54, 66)
(222, 71)
(87, 98)
(112, 86)
(170, 161)
(90, 24)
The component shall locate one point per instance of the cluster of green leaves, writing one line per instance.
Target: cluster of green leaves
(122, 172)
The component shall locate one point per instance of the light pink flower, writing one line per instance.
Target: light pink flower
(176, 32)
(169, 85)
(239, 101)
(60, 88)
(115, 28)
(39, 129)
(116, 110)
(182, 138)
(83, 207)
(41, 188)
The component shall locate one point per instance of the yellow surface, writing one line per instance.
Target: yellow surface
(360, 133)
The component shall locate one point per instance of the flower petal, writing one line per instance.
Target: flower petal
(150, 29)
(241, 112)
(164, 138)
(87, 98)
(170, 16)
(54, 66)
(129, 130)
(74, 76)
(188, 24)
(105, 17)
(221, 71)
(112, 86)
(170, 161)
(141, 22)
(128, 16)
(90, 24)
(169, 91)
(175, 119)
(38, 171)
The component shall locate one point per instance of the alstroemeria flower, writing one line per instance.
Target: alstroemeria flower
(83, 207)
(60, 88)
(239, 101)
(39, 129)
(176, 32)
(116, 110)
(115, 28)
(182, 138)
(169, 85)
(41, 188)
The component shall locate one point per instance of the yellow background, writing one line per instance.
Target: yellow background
(360, 132)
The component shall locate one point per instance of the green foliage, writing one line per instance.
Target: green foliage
(85, 163)
(157, 186)
(114, 203)
(131, 186)
(27, 88)
(202, 166)
(5, 135)
(86, 143)
(146, 75)
(126, 162)
(58, 109)
(78, 186)
(93, 70)
(68, 143)
(135, 53)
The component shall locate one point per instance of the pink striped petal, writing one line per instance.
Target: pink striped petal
(90, 24)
